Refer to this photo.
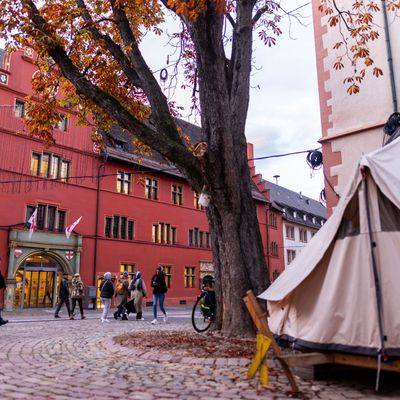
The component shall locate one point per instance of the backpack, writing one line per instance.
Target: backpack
(120, 288)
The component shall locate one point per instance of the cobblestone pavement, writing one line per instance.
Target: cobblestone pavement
(44, 358)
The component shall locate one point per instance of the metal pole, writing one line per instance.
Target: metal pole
(390, 58)
(96, 235)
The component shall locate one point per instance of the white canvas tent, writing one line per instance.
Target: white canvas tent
(342, 292)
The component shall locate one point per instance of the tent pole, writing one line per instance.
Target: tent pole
(378, 289)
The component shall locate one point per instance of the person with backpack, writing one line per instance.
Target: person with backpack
(106, 294)
(122, 294)
(63, 296)
(139, 292)
(159, 289)
(2, 291)
(77, 294)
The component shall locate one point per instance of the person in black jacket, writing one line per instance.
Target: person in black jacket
(159, 289)
(2, 290)
(63, 296)
(106, 294)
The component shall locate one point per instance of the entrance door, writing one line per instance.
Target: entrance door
(38, 287)
(36, 282)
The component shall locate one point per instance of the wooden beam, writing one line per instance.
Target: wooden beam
(365, 362)
(307, 359)
(260, 319)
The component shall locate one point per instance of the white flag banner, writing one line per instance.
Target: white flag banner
(69, 229)
(33, 222)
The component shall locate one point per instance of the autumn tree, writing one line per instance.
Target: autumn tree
(358, 24)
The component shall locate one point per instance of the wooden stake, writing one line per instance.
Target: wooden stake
(260, 319)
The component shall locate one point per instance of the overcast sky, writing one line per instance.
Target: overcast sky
(284, 107)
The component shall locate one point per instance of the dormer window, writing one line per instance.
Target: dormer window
(305, 217)
(294, 214)
(119, 144)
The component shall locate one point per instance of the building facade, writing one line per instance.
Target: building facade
(301, 217)
(352, 124)
(137, 213)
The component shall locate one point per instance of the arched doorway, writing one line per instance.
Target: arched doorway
(37, 280)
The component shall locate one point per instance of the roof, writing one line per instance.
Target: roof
(120, 147)
(286, 200)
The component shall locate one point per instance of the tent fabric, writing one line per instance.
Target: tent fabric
(327, 298)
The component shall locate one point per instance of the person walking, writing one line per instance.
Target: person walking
(122, 294)
(63, 296)
(77, 295)
(2, 291)
(139, 293)
(106, 294)
(159, 289)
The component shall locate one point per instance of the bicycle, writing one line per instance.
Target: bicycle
(203, 312)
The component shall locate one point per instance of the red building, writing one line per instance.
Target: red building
(136, 213)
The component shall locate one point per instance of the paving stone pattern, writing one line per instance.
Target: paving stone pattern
(63, 359)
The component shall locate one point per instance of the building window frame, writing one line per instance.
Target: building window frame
(291, 255)
(177, 194)
(49, 218)
(124, 182)
(119, 227)
(190, 277)
(151, 189)
(168, 274)
(290, 232)
(20, 108)
(164, 233)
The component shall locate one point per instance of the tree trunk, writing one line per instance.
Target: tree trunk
(224, 97)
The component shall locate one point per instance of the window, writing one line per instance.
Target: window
(65, 173)
(55, 167)
(303, 235)
(291, 255)
(44, 165)
(272, 219)
(123, 182)
(207, 240)
(29, 211)
(190, 277)
(51, 218)
(130, 268)
(61, 220)
(20, 108)
(176, 194)
(151, 188)
(49, 166)
(168, 274)
(35, 162)
(164, 233)
(48, 217)
(198, 238)
(41, 213)
(123, 227)
(290, 232)
(274, 248)
(115, 226)
(196, 199)
(118, 227)
(108, 227)
(62, 125)
(130, 230)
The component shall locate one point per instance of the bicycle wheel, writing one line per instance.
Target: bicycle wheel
(200, 322)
